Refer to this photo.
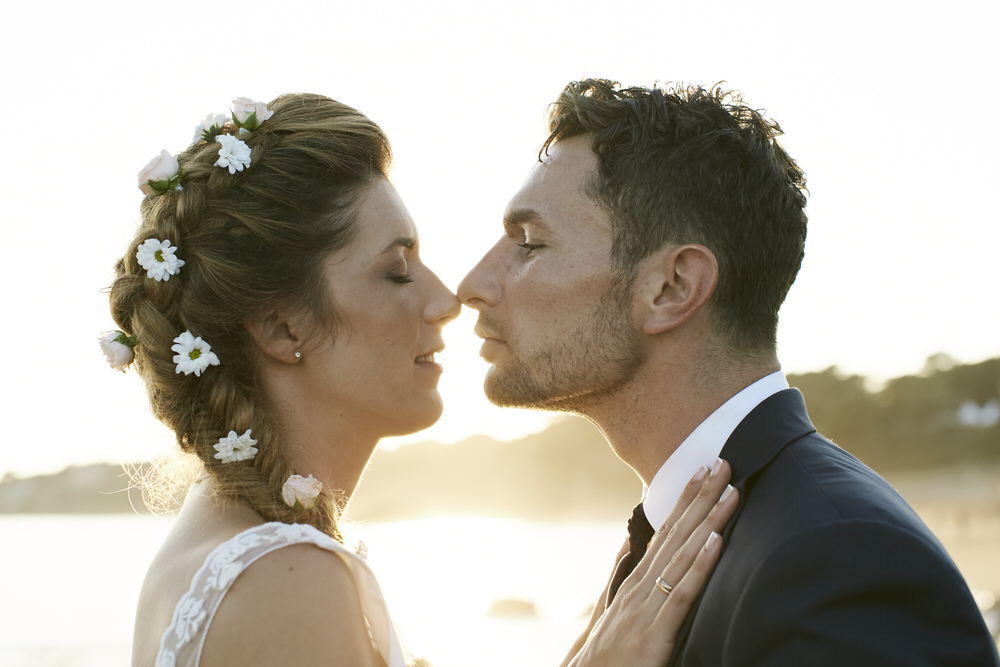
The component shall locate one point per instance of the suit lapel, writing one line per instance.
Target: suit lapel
(778, 420)
(769, 428)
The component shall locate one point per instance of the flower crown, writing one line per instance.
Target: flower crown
(160, 261)
(157, 257)
(163, 173)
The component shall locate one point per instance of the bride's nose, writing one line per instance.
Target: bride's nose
(443, 306)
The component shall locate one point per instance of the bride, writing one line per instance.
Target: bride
(276, 307)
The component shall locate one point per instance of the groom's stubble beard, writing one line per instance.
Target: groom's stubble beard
(568, 373)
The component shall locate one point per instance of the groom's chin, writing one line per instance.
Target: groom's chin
(515, 389)
(502, 390)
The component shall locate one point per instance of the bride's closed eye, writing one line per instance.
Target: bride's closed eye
(401, 278)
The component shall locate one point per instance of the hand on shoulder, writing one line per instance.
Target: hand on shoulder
(296, 605)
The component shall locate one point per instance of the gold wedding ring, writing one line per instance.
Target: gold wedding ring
(663, 586)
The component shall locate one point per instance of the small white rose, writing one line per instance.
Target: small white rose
(263, 113)
(242, 108)
(248, 114)
(234, 154)
(209, 128)
(299, 490)
(117, 349)
(158, 258)
(161, 174)
(193, 354)
(235, 448)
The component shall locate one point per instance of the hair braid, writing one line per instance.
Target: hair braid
(249, 239)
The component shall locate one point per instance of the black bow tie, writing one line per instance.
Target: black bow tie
(639, 535)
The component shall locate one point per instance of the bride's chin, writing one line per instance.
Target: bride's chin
(433, 414)
(422, 419)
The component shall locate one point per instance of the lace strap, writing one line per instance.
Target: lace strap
(182, 642)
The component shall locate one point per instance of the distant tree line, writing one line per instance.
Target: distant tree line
(947, 414)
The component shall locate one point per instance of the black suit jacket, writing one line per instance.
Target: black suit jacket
(825, 564)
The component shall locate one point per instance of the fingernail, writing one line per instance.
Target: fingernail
(712, 540)
(700, 475)
(725, 494)
(717, 467)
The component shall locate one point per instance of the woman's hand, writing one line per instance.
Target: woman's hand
(640, 627)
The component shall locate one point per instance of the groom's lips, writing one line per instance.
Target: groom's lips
(487, 326)
(491, 341)
(487, 335)
(488, 350)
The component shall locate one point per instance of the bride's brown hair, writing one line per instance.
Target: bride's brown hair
(250, 241)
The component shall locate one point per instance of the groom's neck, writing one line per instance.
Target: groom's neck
(648, 419)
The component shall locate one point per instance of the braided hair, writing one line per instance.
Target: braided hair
(249, 240)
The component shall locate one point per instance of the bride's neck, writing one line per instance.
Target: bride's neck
(333, 445)
(331, 453)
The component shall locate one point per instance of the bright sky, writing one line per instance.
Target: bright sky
(888, 108)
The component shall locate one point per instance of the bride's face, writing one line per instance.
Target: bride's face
(380, 368)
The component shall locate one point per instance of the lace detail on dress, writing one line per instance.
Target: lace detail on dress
(182, 642)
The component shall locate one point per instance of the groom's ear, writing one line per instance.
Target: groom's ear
(676, 283)
(278, 332)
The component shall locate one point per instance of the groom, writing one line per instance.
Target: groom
(637, 283)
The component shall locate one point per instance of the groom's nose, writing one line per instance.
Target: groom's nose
(481, 288)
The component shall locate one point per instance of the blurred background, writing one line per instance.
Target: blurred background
(892, 329)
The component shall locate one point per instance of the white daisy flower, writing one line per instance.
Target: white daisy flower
(209, 128)
(234, 447)
(193, 354)
(159, 260)
(234, 153)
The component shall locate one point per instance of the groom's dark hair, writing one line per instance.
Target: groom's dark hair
(684, 164)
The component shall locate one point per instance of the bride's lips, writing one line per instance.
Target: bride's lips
(426, 360)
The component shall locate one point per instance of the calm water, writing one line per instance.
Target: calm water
(69, 585)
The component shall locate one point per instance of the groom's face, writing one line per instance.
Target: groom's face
(557, 328)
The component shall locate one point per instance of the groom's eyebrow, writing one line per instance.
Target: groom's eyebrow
(522, 216)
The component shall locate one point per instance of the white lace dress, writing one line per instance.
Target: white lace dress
(183, 641)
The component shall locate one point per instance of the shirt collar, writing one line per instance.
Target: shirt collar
(703, 446)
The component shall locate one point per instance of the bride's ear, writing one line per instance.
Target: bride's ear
(278, 334)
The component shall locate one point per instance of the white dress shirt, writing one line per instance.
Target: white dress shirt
(703, 446)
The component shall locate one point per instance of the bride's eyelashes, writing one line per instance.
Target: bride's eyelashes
(400, 278)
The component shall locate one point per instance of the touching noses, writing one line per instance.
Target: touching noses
(478, 289)
(443, 305)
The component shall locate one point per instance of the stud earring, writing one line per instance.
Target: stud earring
(298, 355)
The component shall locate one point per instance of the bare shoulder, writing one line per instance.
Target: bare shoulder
(298, 604)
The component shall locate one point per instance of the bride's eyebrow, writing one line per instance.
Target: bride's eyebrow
(402, 241)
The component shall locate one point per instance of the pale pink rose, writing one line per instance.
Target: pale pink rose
(161, 168)
(118, 355)
(303, 490)
(243, 107)
(211, 120)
